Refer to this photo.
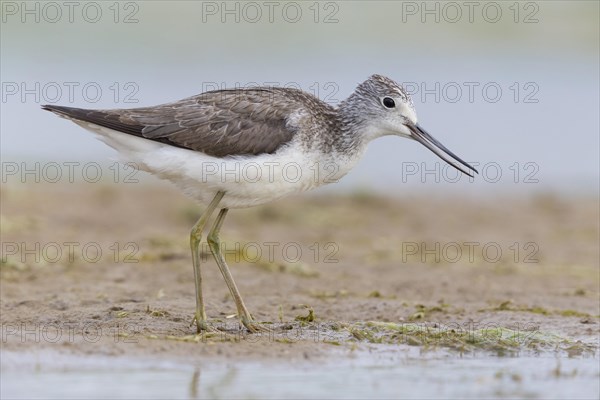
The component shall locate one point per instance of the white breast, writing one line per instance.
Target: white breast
(246, 180)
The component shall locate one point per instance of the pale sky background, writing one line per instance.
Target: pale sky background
(544, 57)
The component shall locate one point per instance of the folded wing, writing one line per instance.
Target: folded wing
(218, 123)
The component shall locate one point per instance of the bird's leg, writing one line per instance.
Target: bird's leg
(195, 237)
(215, 246)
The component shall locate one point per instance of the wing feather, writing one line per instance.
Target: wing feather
(218, 123)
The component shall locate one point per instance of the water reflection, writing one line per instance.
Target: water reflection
(381, 372)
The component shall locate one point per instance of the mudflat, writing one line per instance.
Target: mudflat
(106, 269)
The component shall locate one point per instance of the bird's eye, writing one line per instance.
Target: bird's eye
(388, 102)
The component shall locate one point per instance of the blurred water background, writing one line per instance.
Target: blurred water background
(510, 86)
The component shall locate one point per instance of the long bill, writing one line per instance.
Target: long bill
(421, 136)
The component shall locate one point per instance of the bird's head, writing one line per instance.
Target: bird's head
(379, 107)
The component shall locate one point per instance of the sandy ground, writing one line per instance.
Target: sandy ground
(420, 260)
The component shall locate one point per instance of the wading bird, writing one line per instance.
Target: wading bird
(244, 147)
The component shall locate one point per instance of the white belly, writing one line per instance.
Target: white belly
(246, 180)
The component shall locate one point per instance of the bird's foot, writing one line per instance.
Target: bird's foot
(253, 326)
(202, 325)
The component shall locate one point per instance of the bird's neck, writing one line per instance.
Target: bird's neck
(354, 134)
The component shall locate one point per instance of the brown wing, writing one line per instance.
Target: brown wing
(218, 123)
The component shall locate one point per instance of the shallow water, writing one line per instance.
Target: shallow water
(382, 373)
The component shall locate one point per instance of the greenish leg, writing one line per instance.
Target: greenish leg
(195, 238)
(215, 246)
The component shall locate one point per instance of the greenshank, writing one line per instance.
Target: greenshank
(238, 148)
